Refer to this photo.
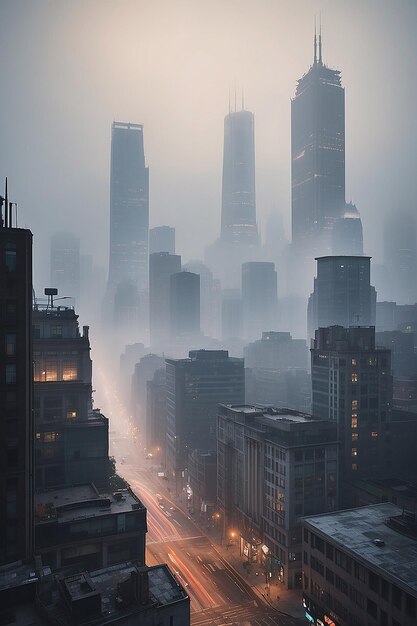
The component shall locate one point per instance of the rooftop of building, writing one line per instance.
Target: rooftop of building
(68, 504)
(126, 588)
(204, 355)
(271, 413)
(16, 574)
(376, 535)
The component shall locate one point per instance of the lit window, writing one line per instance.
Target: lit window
(354, 467)
(11, 344)
(355, 436)
(354, 377)
(354, 404)
(354, 421)
(374, 434)
(50, 436)
(354, 452)
(354, 362)
(37, 436)
(50, 374)
(69, 370)
(71, 414)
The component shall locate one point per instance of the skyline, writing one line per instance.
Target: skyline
(53, 164)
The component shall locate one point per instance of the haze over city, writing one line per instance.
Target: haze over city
(70, 68)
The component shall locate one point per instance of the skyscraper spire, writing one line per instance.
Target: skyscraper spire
(320, 57)
(315, 42)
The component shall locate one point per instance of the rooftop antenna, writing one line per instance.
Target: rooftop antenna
(320, 58)
(315, 41)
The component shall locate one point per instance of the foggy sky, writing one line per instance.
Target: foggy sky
(69, 68)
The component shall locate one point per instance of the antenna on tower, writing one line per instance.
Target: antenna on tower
(320, 57)
(315, 41)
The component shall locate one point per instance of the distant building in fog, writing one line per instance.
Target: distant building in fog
(65, 264)
(342, 294)
(195, 386)
(259, 298)
(144, 371)
(232, 314)
(162, 239)
(129, 219)
(400, 257)
(161, 267)
(156, 414)
(322, 222)
(185, 304)
(210, 298)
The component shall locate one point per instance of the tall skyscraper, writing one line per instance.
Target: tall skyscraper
(161, 266)
(343, 294)
(322, 222)
(16, 423)
(259, 298)
(129, 207)
(238, 188)
(317, 154)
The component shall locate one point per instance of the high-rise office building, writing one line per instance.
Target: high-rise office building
(129, 207)
(162, 239)
(65, 264)
(195, 386)
(318, 172)
(16, 424)
(232, 314)
(352, 385)
(238, 188)
(342, 294)
(185, 303)
(317, 153)
(161, 266)
(259, 298)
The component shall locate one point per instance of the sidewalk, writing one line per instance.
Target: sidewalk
(286, 601)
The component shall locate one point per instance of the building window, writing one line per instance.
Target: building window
(354, 378)
(50, 436)
(354, 452)
(10, 256)
(10, 374)
(56, 331)
(37, 436)
(355, 436)
(354, 421)
(50, 374)
(354, 467)
(374, 434)
(354, 404)
(354, 362)
(71, 415)
(69, 370)
(10, 344)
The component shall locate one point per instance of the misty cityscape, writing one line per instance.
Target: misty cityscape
(208, 308)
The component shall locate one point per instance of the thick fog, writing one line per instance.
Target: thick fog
(69, 68)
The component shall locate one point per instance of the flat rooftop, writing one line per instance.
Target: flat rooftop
(164, 589)
(272, 414)
(355, 530)
(67, 504)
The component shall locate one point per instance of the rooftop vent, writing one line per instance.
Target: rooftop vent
(379, 542)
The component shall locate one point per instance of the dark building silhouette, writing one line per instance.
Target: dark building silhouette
(65, 264)
(16, 423)
(161, 266)
(400, 257)
(342, 294)
(129, 210)
(238, 224)
(352, 385)
(318, 172)
(143, 372)
(71, 439)
(162, 239)
(156, 414)
(194, 388)
(185, 303)
(259, 298)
